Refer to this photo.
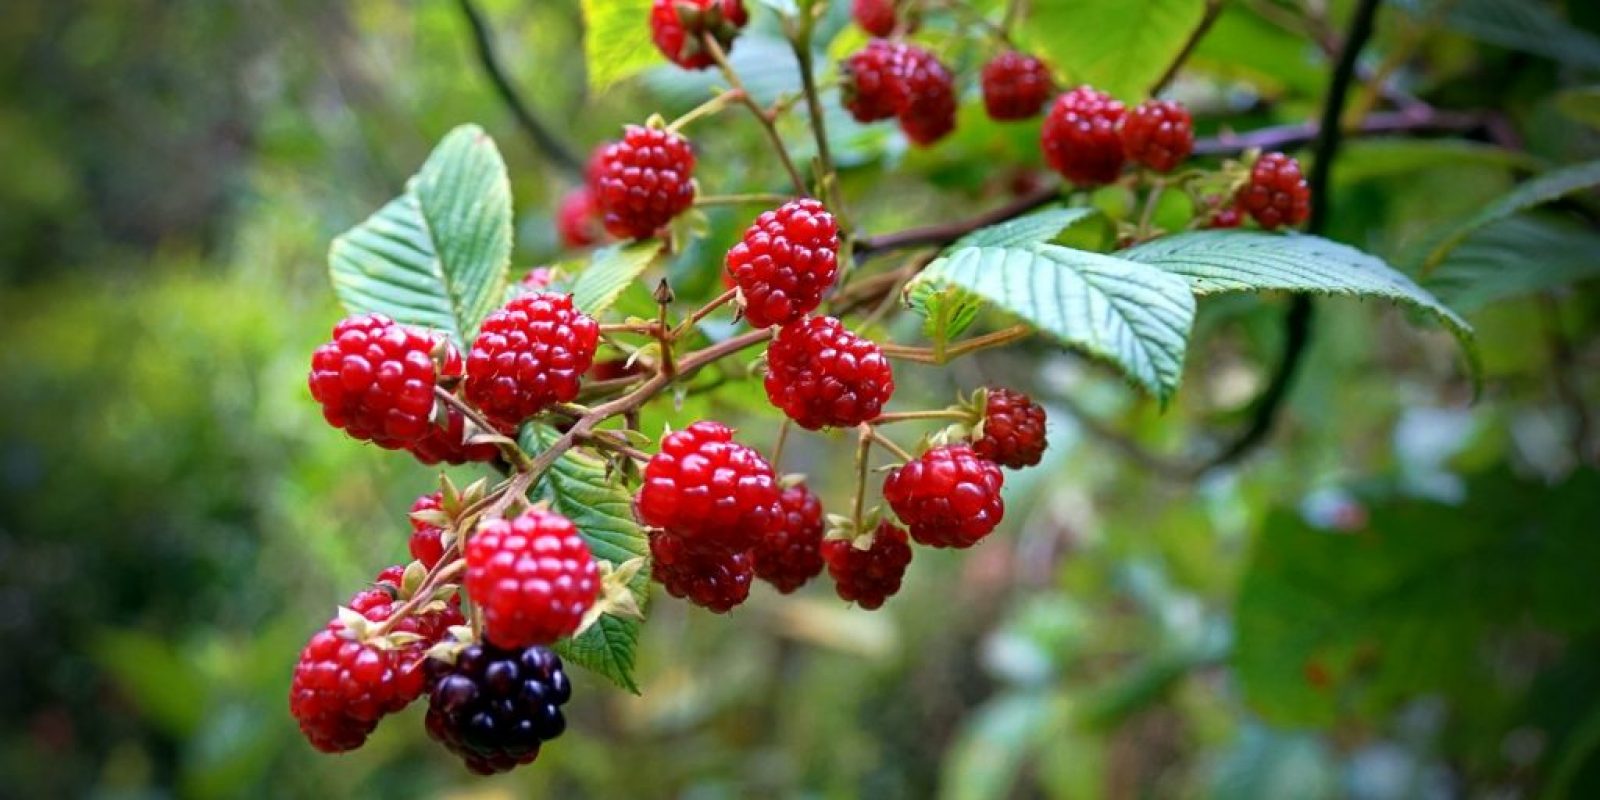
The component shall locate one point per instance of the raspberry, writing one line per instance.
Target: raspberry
(1080, 138)
(823, 375)
(948, 497)
(709, 489)
(876, 17)
(578, 219)
(928, 111)
(495, 707)
(643, 181)
(868, 577)
(532, 576)
(375, 380)
(1228, 217)
(1013, 430)
(676, 27)
(1158, 134)
(427, 539)
(1277, 193)
(538, 279)
(530, 353)
(712, 578)
(1015, 86)
(788, 258)
(791, 553)
(873, 85)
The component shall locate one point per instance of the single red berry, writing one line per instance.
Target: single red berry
(538, 279)
(494, 707)
(928, 112)
(1226, 217)
(709, 489)
(713, 578)
(1080, 138)
(643, 181)
(1277, 194)
(677, 25)
(948, 497)
(1013, 430)
(789, 256)
(532, 576)
(822, 375)
(1015, 86)
(427, 539)
(1158, 134)
(876, 17)
(375, 380)
(868, 577)
(578, 219)
(873, 81)
(791, 553)
(530, 353)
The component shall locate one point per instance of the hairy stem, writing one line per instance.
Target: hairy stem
(732, 77)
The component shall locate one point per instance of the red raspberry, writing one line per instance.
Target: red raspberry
(1080, 138)
(427, 539)
(1015, 86)
(643, 181)
(538, 279)
(868, 577)
(712, 578)
(876, 17)
(532, 576)
(929, 110)
(787, 259)
(948, 497)
(709, 489)
(578, 219)
(823, 375)
(676, 27)
(1277, 193)
(1158, 134)
(1227, 217)
(1013, 430)
(791, 553)
(873, 78)
(530, 353)
(375, 380)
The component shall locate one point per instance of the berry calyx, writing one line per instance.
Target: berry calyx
(1015, 86)
(928, 104)
(709, 489)
(791, 553)
(1080, 138)
(947, 497)
(1158, 134)
(870, 576)
(873, 84)
(713, 578)
(530, 353)
(786, 260)
(578, 219)
(375, 380)
(677, 25)
(494, 707)
(427, 539)
(1013, 430)
(532, 576)
(1276, 194)
(876, 17)
(821, 375)
(643, 181)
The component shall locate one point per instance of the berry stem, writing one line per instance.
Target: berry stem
(887, 443)
(863, 444)
(645, 328)
(510, 450)
(783, 438)
(732, 77)
(936, 413)
(706, 109)
(1209, 17)
(765, 199)
(924, 355)
(827, 180)
(447, 570)
(702, 312)
(1151, 200)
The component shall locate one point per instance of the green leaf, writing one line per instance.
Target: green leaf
(1581, 104)
(1132, 316)
(437, 255)
(577, 487)
(1118, 46)
(1552, 185)
(153, 673)
(1495, 264)
(610, 271)
(616, 41)
(1530, 27)
(995, 743)
(947, 311)
(1040, 226)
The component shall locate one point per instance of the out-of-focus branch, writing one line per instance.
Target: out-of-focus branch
(543, 138)
(1212, 11)
(1289, 137)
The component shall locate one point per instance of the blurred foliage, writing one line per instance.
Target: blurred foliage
(1393, 599)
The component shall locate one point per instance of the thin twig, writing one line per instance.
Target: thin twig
(947, 232)
(543, 138)
(888, 444)
(1213, 9)
(510, 450)
(732, 77)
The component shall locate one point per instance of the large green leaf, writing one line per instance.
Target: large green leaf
(1552, 185)
(1515, 258)
(1040, 226)
(1525, 25)
(577, 486)
(610, 271)
(616, 41)
(437, 255)
(1388, 158)
(1130, 315)
(1119, 46)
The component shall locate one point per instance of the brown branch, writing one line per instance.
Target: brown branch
(947, 232)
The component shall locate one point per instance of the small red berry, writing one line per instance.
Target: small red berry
(822, 375)
(427, 539)
(876, 17)
(1277, 193)
(538, 279)
(1226, 217)
(712, 578)
(1013, 430)
(643, 181)
(375, 380)
(707, 488)
(1015, 86)
(868, 577)
(948, 497)
(530, 353)
(786, 260)
(677, 25)
(928, 110)
(791, 553)
(532, 576)
(1158, 134)
(1080, 138)
(578, 219)
(873, 81)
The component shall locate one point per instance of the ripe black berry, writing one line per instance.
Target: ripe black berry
(495, 707)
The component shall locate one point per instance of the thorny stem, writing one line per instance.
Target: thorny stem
(827, 181)
(732, 77)
(704, 311)
(447, 570)
(924, 355)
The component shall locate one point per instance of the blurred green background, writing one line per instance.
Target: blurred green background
(1395, 598)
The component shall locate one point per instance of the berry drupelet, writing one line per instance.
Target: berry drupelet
(1015, 86)
(709, 489)
(1277, 194)
(791, 553)
(714, 578)
(1013, 430)
(375, 380)
(643, 181)
(676, 26)
(1158, 134)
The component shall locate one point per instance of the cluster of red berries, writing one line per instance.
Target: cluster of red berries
(901, 80)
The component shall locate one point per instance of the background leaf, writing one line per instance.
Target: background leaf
(1117, 46)
(1524, 25)
(616, 41)
(1040, 226)
(1498, 262)
(1552, 185)
(610, 271)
